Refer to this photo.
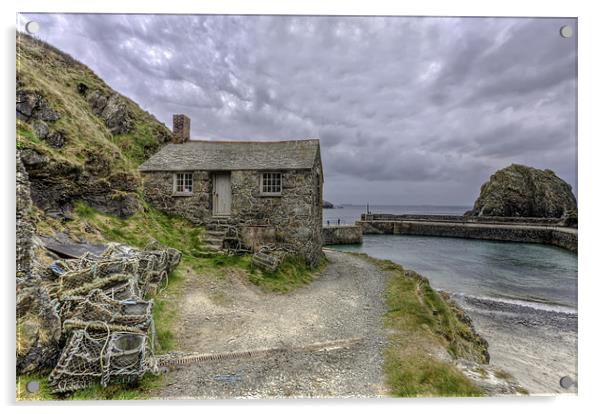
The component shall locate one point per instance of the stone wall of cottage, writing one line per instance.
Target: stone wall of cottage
(295, 216)
(159, 192)
(293, 219)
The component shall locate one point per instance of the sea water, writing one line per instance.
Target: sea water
(521, 297)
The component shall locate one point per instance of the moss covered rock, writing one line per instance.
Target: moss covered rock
(521, 191)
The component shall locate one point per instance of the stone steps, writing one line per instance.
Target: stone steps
(215, 234)
(218, 233)
(219, 222)
(213, 249)
(210, 251)
(217, 227)
(211, 241)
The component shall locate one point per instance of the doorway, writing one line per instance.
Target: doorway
(222, 194)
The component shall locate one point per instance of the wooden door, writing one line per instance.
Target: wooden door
(222, 194)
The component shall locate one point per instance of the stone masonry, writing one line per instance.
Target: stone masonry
(291, 220)
(181, 128)
(342, 235)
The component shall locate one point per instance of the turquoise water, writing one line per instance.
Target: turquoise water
(532, 273)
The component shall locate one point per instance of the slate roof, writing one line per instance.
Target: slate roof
(234, 155)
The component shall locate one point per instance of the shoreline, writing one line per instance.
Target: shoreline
(463, 348)
(537, 346)
(533, 340)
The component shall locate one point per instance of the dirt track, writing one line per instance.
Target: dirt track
(231, 314)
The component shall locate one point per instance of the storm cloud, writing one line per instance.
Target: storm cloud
(408, 110)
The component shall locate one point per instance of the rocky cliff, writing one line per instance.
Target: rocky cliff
(38, 325)
(78, 138)
(521, 191)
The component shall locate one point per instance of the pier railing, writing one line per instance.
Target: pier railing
(337, 223)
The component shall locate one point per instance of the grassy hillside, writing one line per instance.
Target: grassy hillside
(60, 79)
(79, 138)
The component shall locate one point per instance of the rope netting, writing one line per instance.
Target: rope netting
(100, 357)
(107, 323)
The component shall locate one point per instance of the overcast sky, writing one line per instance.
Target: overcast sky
(408, 110)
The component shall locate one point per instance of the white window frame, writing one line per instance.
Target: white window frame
(274, 181)
(185, 177)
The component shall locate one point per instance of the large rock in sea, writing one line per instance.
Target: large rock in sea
(327, 204)
(521, 191)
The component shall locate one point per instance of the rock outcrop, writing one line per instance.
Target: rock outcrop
(24, 227)
(111, 109)
(79, 139)
(56, 183)
(327, 204)
(38, 325)
(31, 105)
(521, 191)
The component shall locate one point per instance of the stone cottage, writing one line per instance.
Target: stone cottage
(246, 193)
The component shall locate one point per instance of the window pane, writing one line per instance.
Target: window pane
(184, 183)
(188, 183)
(271, 183)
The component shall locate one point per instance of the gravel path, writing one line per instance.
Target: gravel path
(231, 314)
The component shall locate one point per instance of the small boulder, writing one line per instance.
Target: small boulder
(112, 110)
(30, 158)
(31, 106)
(26, 102)
(97, 102)
(55, 139)
(38, 329)
(82, 88)
(116, 116)
(40, 128)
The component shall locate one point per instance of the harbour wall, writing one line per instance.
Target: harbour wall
(543, 231)
(342, 235)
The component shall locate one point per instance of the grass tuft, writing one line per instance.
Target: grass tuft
(292, 273)
(421, 323)
(502, 375)
(135, 391)
(421, 375)
(43, 393)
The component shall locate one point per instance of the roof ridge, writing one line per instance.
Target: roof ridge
(234, 155)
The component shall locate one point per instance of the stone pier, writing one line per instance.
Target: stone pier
(524, 230)
(345, 234)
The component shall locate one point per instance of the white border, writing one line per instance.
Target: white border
(348, 7)
(590, 201)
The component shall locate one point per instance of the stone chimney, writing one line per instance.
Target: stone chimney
(181, 129)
